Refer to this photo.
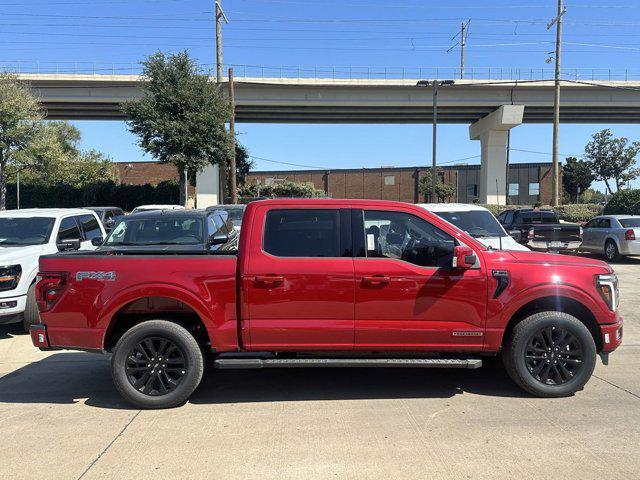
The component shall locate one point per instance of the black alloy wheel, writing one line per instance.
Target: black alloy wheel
(553, 355)
(550, 354)
(156, 366)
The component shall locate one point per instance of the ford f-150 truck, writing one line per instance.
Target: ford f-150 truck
(324, 283)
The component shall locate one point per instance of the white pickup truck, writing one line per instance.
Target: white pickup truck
(476, 221)
(27, 234)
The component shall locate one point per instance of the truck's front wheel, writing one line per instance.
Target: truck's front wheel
(550, 354)
(157, 364)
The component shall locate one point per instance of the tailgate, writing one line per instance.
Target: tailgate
(559, 232)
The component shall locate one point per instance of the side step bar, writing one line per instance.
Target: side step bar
(229, 363)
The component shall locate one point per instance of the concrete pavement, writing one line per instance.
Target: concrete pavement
(60, 417)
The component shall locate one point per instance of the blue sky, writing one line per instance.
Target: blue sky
(116, 34)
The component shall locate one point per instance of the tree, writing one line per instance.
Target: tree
(55, 150)
(611, 158)
(181, 117)
(577, 177)
(20, 122)
(443, 190)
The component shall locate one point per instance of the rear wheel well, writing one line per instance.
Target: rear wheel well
(557, 304)
(156, 308)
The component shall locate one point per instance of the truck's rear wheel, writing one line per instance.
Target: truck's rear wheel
(550, 354)
(157, 364)
(31, 315)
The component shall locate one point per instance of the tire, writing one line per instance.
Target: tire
(31, 315)
(160, 382)
(567, 371)
(611, 252)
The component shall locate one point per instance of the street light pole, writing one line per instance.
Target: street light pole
(434, 153)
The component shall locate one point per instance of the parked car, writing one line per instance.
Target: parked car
(236, 212)
(612, 235)
(173, 230)
(109, 216)
(147, 208)
(541, 230)
(478, 222)
(27, 234)
(309, 286)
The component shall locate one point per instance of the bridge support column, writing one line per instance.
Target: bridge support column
(208, 187)
(493, 133)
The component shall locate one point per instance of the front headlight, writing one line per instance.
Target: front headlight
(607, 285)
(10, 276)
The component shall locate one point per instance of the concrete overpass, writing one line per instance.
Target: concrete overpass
(282, 100)
(491, 107)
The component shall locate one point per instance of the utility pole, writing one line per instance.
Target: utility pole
(232, 132)
(464, 32)
(434, 143)
(556, 104)
(219, 17)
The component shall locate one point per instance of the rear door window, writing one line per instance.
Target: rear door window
(302, 233)
(69, 230)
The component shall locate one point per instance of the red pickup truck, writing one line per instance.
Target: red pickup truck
(325, 283)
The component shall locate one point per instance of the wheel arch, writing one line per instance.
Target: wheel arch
(161, 304)
(567, 305)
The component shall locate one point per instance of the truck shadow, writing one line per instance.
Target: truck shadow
(67, 378)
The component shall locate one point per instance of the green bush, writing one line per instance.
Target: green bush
(282, 189)
(624, 202)
(578, 212)
(497, 209)
(103, 193)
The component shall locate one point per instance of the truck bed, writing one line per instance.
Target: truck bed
(101, 285)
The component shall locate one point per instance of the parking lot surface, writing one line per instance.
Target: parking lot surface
(61, 417)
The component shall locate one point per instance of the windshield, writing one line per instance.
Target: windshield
(235, 214)
(630, 222)
(25, 231)
(157, 231)
(476, 223)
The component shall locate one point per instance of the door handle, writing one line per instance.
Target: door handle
(269, 279)
(375, 280)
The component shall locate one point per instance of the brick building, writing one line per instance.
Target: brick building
(528, 182)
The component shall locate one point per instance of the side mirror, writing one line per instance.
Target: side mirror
(218, 239)
(96, 242)
(516, 235)
(463, 257)
(73, 244)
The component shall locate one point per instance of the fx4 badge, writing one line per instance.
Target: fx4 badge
(102, 276)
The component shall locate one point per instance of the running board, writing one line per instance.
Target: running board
(229, 363)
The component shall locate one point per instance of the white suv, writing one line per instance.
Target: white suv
(25, 235)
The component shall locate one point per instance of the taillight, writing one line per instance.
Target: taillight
(581, 232)
(630, 235)
(49, 289)
(530, 234)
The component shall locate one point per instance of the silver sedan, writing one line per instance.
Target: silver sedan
(612, 235)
